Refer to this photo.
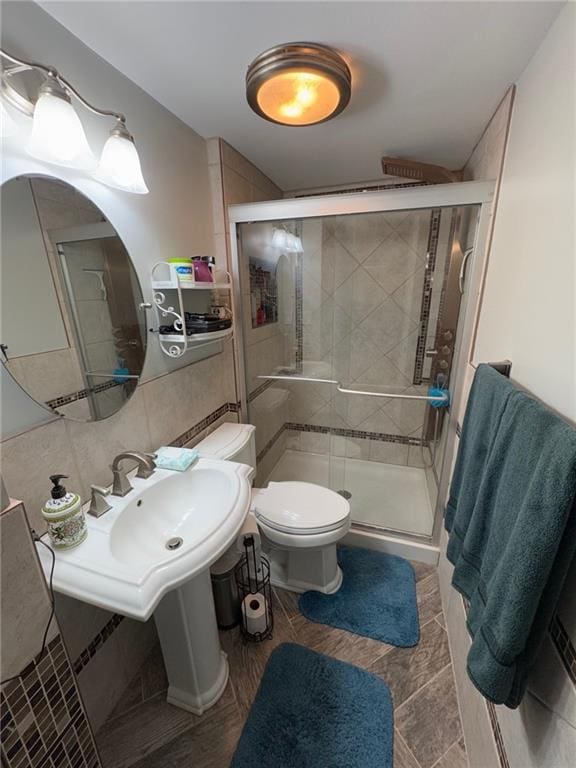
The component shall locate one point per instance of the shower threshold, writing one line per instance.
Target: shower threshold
(388, 497)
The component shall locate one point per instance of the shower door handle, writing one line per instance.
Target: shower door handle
(462, 276)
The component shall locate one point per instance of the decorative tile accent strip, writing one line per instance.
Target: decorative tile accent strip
(258, 391)
(56, 402)
(500, 748)
(340, 432)
(564, 646)
(298, 322)
(432, 251)
(355, 433)
(43, 723)
(270, 443)
(97, 642)
(194, 431)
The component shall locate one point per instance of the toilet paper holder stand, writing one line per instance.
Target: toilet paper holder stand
(255, 593)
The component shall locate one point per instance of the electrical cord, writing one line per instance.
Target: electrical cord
(52, 603)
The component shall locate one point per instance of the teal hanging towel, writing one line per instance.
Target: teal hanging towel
(511, 517)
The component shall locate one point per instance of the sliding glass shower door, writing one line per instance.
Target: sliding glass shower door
(351, 319)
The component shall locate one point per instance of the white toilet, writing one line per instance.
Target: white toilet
(300, 523)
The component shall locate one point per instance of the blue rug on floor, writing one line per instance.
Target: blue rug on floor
(312, 711)
(377, 598)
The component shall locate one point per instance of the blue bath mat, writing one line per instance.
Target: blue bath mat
(312, 711)
(377, 598)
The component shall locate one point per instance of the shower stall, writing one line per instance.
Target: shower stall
(351, 310)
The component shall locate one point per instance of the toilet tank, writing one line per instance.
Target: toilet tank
(233, 442)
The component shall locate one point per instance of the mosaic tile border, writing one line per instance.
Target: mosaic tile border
(81, 394)
(356, 434)
(299, 311)
(500, 748)
(494, 724)
(43, 723)
(432, 251)
(270, 444)
(97, 642)
(261, 388)
(564, 646)
(206, 422)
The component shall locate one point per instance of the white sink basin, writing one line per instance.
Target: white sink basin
(125, 565)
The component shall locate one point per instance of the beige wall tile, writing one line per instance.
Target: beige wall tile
(96, 443)
(237, 189)
(28, 460)
(25, 601)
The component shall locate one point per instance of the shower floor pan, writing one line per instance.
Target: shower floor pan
(388, 496)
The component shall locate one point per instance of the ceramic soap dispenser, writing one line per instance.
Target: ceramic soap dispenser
(64, 516)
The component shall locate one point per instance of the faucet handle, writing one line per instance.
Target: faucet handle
(98, 505)
(120, 485)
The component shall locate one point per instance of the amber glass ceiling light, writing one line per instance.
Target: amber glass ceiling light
(298, 84)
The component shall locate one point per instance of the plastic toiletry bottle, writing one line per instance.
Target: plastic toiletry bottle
(64, 516)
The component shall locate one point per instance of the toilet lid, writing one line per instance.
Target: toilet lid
(296, 507)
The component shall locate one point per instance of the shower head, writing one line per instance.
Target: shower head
(412, 169)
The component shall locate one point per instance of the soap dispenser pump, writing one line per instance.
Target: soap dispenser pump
(64, 516)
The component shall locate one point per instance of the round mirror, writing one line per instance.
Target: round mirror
(73, 331)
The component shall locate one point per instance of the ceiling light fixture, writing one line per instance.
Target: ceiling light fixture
(298, 84)
(58, 136)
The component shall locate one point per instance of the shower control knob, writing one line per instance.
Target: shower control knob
(447, 335)
(446, 350)
(443, 365)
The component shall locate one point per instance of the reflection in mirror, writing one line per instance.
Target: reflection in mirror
(73, 330)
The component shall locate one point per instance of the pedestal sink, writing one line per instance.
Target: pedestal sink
(151, 553)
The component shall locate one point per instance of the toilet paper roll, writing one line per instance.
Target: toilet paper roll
(254, 609)
(250, 528)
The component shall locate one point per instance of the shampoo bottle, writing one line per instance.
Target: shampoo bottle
(64, 516)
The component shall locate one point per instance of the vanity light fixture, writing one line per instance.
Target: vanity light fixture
(298, 84)
(58, 136)
(119, 164)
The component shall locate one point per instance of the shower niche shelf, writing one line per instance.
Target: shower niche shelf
(168, 292)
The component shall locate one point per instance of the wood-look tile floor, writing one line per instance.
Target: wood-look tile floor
(146, 732)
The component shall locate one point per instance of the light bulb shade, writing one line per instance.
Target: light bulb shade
(58, 136)
(120, 166)
(279, 238)
(298, 84)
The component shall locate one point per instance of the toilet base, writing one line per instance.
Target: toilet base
(303, 570)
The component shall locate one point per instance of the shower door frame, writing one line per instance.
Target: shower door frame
(454, 195)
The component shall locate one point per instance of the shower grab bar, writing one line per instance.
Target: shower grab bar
(340, 388)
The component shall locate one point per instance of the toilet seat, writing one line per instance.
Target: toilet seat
(299, 508)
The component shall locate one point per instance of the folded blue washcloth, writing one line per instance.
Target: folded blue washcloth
(178, 459)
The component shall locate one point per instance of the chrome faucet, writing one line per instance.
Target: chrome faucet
(146, 466)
